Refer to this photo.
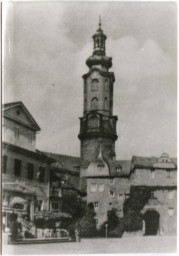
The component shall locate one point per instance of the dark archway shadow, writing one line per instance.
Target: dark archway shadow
(151, 219)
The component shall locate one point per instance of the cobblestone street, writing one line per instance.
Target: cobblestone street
(88, 246)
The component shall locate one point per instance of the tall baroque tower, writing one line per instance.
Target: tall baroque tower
(98, 125)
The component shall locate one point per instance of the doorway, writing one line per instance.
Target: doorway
(151, 219)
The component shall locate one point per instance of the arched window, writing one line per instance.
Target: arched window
(105, 103)
(93, 122)
(94, 104)
(97, 42)
(106, 85)
(94, 85)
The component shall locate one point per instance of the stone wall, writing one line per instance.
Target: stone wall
(110, 193)
(90, 149)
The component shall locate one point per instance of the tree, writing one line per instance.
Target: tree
(87, 223)
(132, 207)
(73, 205)
(112, 222)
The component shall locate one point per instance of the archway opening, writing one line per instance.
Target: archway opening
(151, 219)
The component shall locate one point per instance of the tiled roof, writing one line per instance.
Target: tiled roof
(70, 163)
(119, 167)
(146, 162)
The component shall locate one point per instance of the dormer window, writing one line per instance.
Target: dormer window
(118, 169)
(101, 165)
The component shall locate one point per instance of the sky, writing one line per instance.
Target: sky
(45, 48)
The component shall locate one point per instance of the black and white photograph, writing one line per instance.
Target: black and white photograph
(89, 127)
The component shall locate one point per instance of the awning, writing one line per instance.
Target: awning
(51, 215)
(17, 200)
(12, 210)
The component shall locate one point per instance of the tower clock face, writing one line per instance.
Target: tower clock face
(95, 75)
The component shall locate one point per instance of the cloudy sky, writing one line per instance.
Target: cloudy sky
(46, 46)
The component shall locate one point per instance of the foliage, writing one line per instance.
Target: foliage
(118, 230)
(73, 205)
(132, 219)
(87, 223)
(112, 222)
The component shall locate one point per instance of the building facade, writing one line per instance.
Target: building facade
(35, 182)
(109, 183)
(25, 170)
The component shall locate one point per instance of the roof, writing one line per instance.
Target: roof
(147, 162)
(36, 155)
(69, 163)
(25, 118)
(125, 167)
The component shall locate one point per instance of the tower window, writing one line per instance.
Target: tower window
(94, 85)
(17, 167)
(97, 42)
(168, 174)
(94, 104)
(106, 86)
(105, 103)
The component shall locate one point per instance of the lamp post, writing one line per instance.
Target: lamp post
(106, 226)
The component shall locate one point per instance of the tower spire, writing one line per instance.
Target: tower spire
(100, 22)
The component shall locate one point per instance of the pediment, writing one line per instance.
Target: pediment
(19, 113)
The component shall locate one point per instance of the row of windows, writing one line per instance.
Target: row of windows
(30, 169)
(100, 187)
(94, 103)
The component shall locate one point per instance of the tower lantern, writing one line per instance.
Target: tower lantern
(98, 125)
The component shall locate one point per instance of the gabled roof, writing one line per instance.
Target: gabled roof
(25, 118)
